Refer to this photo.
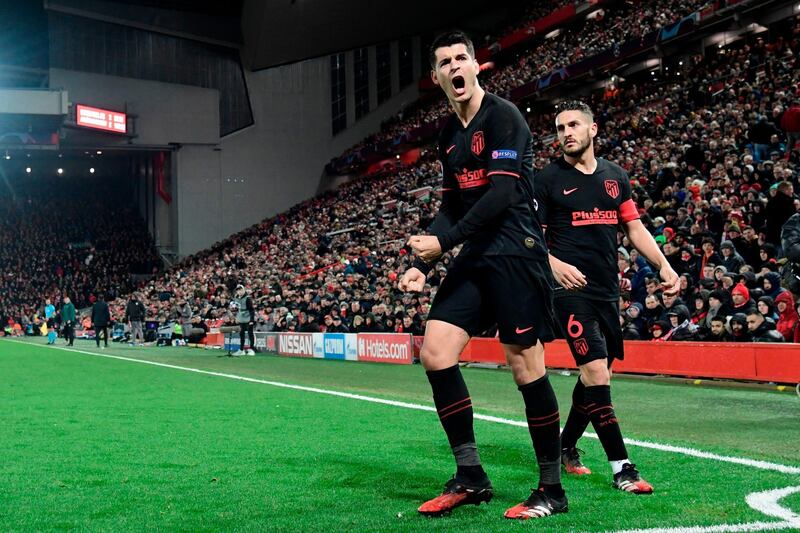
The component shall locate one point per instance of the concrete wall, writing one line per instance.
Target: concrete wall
(165, 112)
(282, 157)
(221, 186)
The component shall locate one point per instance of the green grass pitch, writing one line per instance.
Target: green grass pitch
(102, 444)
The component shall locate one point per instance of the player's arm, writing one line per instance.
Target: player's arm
(567, 275)
(446, 218)
(494, 202)
(414, 278)
(642, 240)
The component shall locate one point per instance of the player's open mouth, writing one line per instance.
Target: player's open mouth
(459, 85)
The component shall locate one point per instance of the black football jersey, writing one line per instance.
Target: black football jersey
(496, 142)
(581, 213)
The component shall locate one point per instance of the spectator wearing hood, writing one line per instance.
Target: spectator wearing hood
(739, 331)
(681, 327)
(641, 272)
(658, 330)
(690, 263)
(370, 325)
(687, 288)
(731, 259)
(766, 306)
(719, 304)
(771, 284)
(700, 310)
(634, 325)
(742, 303)
(762, 329)
(629, 331)
(719, 272)
(787, 316)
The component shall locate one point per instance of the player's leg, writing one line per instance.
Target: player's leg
(451, 319)
(576, 320)
(597, 376)
(522, 305)
(541, 412)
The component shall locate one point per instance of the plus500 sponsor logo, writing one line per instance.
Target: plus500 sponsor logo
(296, 344)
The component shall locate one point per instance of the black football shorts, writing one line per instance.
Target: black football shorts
(590, 327)
(512, 292)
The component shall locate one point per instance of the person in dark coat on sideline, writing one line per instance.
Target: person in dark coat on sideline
(101, 318)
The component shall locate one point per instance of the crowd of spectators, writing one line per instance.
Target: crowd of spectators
(711, 172)
(714, 200)
(608, 28)
(67, 236)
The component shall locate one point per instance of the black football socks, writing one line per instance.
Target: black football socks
(454, 407)
(541, 410)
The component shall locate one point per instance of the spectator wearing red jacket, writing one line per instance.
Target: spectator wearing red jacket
(788, 318)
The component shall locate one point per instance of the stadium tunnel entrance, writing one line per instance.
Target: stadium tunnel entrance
(136, 181)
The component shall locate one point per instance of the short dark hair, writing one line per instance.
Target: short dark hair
(718, 318)
(575, 105)
(449, 38)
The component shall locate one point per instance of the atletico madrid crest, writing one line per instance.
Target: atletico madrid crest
(581, 346)
(477, 143)
(612, 188)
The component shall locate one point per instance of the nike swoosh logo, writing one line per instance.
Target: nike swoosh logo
(521, 331)
(569, 191)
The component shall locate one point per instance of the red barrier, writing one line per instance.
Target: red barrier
(747, 361)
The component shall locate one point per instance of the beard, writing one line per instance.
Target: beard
(577, 151)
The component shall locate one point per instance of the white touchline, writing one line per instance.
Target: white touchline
(754, 463)
(765, 502)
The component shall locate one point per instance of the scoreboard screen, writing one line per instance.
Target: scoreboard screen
(101, 119)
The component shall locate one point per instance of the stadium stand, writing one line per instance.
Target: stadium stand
(68, 236)
(698, 178)
(708, 161)
(586, 38)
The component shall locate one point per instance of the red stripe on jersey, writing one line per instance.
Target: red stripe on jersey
(594, 221)
(451, 149)
(628, 211)
(503, 172)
